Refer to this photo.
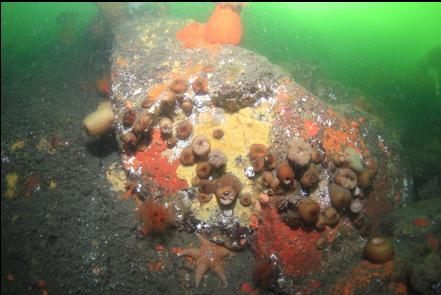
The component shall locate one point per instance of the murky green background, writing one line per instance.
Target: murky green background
(386, 50)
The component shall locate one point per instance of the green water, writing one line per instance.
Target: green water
(382, 49)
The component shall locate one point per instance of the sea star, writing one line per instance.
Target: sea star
(208, 256)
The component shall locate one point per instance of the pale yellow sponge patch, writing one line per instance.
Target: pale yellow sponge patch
(241, 130)
(52, 184)
(18, 145)
(116, 177)
(11, 185)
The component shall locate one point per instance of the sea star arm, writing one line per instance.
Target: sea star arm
(202, 266)
(216, 266)
(192, 252)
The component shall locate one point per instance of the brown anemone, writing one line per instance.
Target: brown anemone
(143, 124)
(200, 86)
(204, 198)
(148, 102)
(346, 178)
(187, 157)
(285, 173)
(201, 145)
(166, 126)
(187, 106)
(171, 142)
(365, 178)
(184, 129)
(299, 152)
(203, 170)
(309, 210)
(310, 178)
(340, 197)
(316, 156)
(371, 164)
(206, 186)
(331, 216)
(258, 151)
(195, 181)
(379, 250)
(227, 188)
(258, 165)
(218, 133)
(271, 161)
(267, 178)
(129, 139)
(217, 159)
(129, 118)
(245, 199)
(179, 86)
(320, 222)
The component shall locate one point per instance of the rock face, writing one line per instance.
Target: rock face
(253, 102)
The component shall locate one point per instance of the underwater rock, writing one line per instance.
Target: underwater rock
(425, 276)
(247, 101)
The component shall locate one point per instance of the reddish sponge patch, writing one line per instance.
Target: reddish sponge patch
(311, 128)
(103, 86)
(159, 167)
(295, 249)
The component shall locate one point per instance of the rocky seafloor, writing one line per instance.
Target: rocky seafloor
(67, 220)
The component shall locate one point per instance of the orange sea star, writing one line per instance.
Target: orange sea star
(208, 256)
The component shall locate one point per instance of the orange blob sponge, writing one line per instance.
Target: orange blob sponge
(223, 27)
(192, 35)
